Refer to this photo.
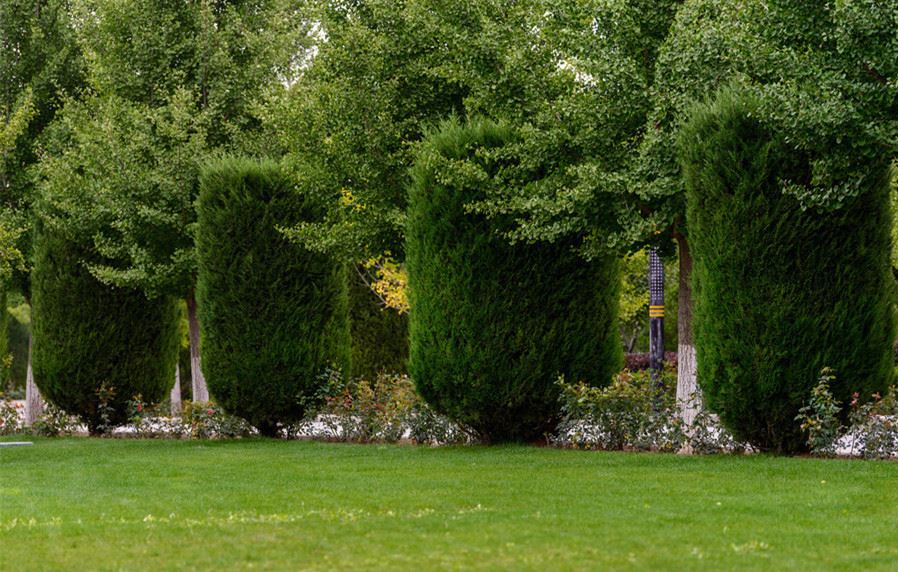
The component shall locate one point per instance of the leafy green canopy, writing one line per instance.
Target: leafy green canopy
(39, 62)
(274, 314)
(118, 177)
(825, 74)
(781, 291)
(95, 346)
(572, 75)
(825, 78)
(171, 82)
(493, 325)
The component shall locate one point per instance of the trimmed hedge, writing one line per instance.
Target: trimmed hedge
(780, 291)
(89, 336)
(274, 315)
(493, 325)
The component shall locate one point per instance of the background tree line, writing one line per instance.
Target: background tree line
(112, 107)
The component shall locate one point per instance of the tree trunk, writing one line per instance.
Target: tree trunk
(176, 393)
(689, 399)
(34, 404)
(200, 392)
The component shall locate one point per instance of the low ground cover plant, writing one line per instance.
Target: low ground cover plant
(637, 412)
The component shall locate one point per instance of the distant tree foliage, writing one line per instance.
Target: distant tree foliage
(493, 325)
(18, 332)
(379, 333)
(95, 346)
(781, 291)
(275, 315)
(40, 65)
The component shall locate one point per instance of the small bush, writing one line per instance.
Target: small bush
(209, 421)
(10, 417)
(385, 409)
(274, 314)
(820, 417)
(493, 325)
(54, 422)
(635, 412)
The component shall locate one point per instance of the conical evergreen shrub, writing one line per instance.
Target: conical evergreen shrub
(493, 325)
(96, 347)
(274, 314)
(780, 291)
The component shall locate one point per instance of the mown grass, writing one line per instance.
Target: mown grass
(86, 504)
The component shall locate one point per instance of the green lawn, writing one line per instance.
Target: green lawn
(86, 504)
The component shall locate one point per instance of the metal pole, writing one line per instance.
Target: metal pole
(656, 313)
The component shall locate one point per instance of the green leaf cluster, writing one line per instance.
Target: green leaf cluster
(170, 84)
(571, 75)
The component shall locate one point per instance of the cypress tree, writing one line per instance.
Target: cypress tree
(493, 325)
(96, 346)
(275, 315)
(781, 291)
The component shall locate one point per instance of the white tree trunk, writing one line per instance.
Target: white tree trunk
(176, 393)
(689, 399)
(34, 403)
(200, 392)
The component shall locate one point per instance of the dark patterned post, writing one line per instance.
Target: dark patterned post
(656, 313)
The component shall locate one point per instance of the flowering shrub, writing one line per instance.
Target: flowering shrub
(820, 417)
(10, 421)
(708, 436)
(387, 409)
(209, 421)
(635, 412)
(54, 422)
(872, 431)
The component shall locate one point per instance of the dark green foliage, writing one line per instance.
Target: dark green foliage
(18, 330)
(780, 291)
(274, 315)
(4, 342)
(494, 325)
(89, 336)
(379, 334)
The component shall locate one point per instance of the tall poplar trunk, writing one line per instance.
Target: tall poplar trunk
(176, 393)
(200, 392)
(34, 403)
(689, 400)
